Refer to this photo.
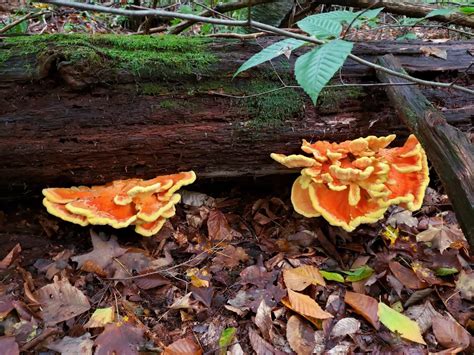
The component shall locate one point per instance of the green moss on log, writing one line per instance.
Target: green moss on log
(332, 98)
(142, 55)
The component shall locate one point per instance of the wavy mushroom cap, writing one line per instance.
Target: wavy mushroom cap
(354, 182)
(147, 204)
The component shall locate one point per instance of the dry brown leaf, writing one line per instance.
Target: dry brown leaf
(185, 346)
(183, 303)
(450, 333)
(61, 301)
(10, 257)
(260, 346)
(73, 346)
(263, 319)
(9, 346)
(229, 258)
(364, 305)
(147, 282)
(465, 285)
(300, 336)
(299, 278)
(218, 227)
(119, 338)
(102, 255)
(434, 52)
(345, 326)
(306, 306)
(6, 305)
(422, 314)
(406, 276)
(443, 237)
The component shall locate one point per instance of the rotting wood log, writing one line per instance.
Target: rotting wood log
(87, 110)
(449, 150)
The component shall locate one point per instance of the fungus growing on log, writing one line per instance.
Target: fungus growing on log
(355, 182)
(147, 204)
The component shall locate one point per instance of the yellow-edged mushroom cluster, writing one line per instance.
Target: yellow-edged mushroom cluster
(354, 182)
(147, 204)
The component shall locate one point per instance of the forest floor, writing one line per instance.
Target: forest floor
(235, 271)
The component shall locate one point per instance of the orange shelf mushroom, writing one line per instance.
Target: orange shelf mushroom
(355, 182)
(147, 204)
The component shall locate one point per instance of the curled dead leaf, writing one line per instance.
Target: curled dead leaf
(301, 277)
(449, 333)
(364, 305)
(300, 336)
(185, 346)
(306, 306)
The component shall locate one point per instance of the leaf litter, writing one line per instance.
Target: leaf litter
(242, 275)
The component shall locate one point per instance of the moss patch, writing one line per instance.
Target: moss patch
(271, 108)
(332, 98)
(142, 55)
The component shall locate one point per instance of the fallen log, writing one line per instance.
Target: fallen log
(87, 110)
(448, 149)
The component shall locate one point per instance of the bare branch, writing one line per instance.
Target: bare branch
(256, 25)
(219, 9)
(20, 20)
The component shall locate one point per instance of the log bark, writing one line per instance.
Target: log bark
(86, 116)
(448, 149)
(404, 8)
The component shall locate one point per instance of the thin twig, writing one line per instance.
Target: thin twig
(355, 19)
(20, 20)
(299, 87)
(256, 25)
(421, 26)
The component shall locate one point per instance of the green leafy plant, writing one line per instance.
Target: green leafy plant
(314, 69)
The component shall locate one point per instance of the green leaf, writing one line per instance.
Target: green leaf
(314, 69)
(270, 52)
(410, 21)
(340, 16)
(321, 27)
(397, 322)
(367, 16)
(445, 271)
(440, 12)
(20, 28)
(360, 273)
(332, 276)
(468, 10)
(226, 338)
(407, 36)
(370, 14)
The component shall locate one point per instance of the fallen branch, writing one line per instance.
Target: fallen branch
(254, 24)
(219, 9)
(22, 19)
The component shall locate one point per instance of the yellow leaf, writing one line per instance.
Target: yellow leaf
(101, 317)
(397, 322)
(391, 234)
(199, 278)
(301, 277)
(306, 306)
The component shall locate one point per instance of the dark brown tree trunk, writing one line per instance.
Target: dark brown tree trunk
(71, 118)
(448, 149)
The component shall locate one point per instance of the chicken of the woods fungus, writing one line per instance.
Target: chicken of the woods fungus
(146, 204)
(355, 182)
